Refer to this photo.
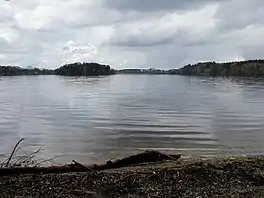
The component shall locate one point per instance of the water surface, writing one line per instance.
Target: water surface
(97, 118)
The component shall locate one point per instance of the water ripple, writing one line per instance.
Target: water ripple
(92, 119)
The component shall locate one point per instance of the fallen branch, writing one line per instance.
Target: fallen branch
(81, 165)
(145, 157)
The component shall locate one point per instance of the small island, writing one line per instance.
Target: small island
(84, 69)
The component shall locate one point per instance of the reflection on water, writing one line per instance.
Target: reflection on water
(93, 119)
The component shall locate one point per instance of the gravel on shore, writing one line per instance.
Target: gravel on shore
(215, 177)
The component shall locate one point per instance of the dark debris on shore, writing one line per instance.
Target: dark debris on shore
(218, 177)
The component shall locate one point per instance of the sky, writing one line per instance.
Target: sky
(130, 33)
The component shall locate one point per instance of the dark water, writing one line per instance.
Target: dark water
(94, 119)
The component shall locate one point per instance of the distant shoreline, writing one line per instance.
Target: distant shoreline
(249, 68)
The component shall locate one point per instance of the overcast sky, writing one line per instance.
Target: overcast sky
(130, 33)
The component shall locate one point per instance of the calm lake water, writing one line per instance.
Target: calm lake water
(97, 118)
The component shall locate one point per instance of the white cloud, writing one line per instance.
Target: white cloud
(8, 34)
(39, 18)
(77, 52)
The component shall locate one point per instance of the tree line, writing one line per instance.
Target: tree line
(15, 70)
(250, 68)
(74, 69)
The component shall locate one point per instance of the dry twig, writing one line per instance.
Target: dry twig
(47, 160)
(10, 157)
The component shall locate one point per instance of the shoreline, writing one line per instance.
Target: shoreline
(246, 68)
(224, 176)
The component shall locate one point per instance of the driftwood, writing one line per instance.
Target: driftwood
(145, 157)
(81, 165)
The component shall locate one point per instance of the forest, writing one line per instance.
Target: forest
(249, 68)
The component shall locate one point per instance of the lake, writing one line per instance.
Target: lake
(92, 119)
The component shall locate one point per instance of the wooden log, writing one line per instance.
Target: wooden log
(145, 157)
(81, 165)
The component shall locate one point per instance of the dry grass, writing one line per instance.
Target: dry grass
(19, 157)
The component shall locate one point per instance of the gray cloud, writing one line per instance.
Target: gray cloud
(156, 5)
(255, 51)
(126, 33)
(238, 14)
(142, 42)
(167, 29)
